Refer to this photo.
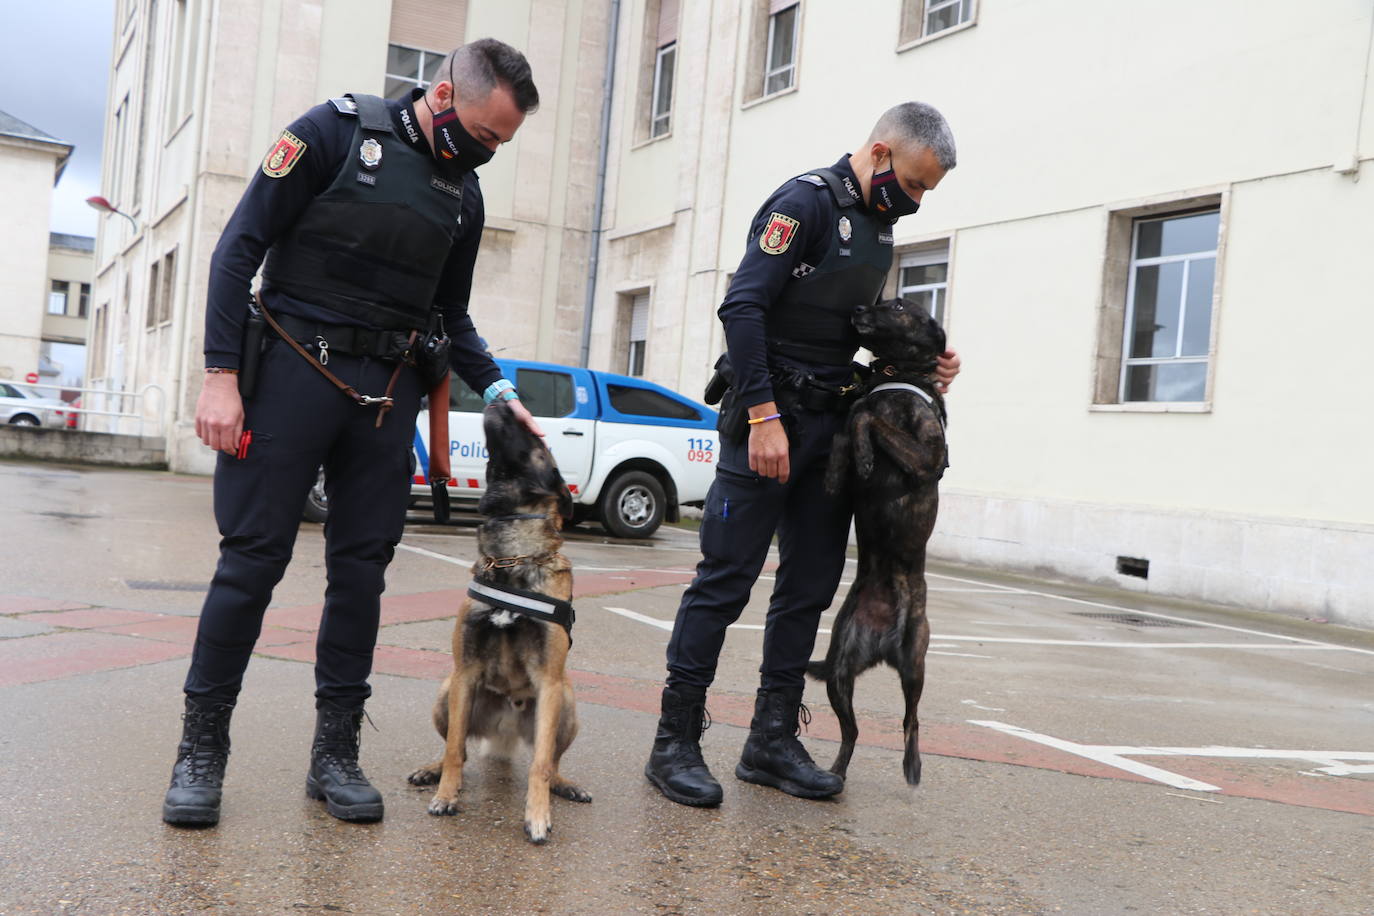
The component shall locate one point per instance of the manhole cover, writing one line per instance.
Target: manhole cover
(153, 585)
(1132, 620)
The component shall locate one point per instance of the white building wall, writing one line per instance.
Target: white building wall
(26, 182)
(1066, 111)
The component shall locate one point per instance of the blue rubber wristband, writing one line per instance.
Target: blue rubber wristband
(501, 388)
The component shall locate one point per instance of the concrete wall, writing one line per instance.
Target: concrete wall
(35, 443)
(27, 170)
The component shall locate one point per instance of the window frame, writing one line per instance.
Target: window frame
(1128, 321)
(65, 293)
(913, 27)
(924, 255)
(421, 82)
(666, 115)
(1119, 239)
(791, 68)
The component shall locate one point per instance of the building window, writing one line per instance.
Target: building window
(924, 18)
(154, 289)
(169, 272)
(181, 78)
(639, 335)
(661, 119)
(98, 342)
(410, 68)
(780, 65)
(1169, 293)
(57, 298)
(84, 303)
(923, 277)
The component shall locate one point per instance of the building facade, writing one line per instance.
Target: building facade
(62, 352)
(1152, 256)
(199, 90)
(31, 163)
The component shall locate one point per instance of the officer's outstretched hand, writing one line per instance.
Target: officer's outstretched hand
(946, 368)
(768, 447)
(219, 412)
(524, 416)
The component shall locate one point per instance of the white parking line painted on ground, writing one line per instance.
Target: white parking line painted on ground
(1333, 763)
(1141, 645)
(1101, 755)
(1155, 614)
(457, 561)
(668, 625)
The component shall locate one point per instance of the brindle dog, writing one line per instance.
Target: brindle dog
(890, 458)
(509, 682)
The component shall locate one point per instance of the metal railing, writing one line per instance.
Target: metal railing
(125, 409)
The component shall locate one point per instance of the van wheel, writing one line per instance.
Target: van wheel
(24, 419)
(632, 505)
(317, 503)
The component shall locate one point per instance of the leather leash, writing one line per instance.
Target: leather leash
(383, 403)
(439, 471)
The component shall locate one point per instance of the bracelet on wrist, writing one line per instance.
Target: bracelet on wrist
(220, 370)
(501, 388)
(772, 416)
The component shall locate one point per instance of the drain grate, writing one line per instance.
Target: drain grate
(155, 585)
(1132, 620)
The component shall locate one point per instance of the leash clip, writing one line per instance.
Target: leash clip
(368, 400)
(323, 346)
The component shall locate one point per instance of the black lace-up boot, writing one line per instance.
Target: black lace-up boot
(197, 777)
(774, 757)
(335, 775)
(675, 765)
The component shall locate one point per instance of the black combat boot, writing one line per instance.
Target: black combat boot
(197, 777)
(335, 775)
(675, 765)
(774, 757)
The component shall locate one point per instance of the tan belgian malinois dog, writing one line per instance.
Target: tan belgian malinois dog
(513, 632)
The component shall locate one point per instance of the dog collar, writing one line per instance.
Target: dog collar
(526, 603)
(508, 562)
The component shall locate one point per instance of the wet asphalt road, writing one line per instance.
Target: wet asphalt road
(1087, 751)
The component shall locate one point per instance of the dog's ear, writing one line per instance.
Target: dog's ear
(565, 503)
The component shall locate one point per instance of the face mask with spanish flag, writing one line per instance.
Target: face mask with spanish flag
(887, 197)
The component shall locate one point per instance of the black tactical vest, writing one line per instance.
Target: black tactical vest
(810, 320)
(373, 245)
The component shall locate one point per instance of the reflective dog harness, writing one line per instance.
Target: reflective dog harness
(528, 604)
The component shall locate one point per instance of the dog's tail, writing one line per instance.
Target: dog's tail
(819, 670)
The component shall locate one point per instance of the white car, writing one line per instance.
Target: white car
(631, 452)
(24, 407)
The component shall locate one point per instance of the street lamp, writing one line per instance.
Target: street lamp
(104, 206)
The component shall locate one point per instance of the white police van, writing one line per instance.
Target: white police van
(630, 451)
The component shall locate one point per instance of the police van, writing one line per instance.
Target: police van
(631, 452)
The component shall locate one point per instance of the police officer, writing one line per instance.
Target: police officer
(819, 246)
(369, 214)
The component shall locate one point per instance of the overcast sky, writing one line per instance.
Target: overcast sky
(54, 71)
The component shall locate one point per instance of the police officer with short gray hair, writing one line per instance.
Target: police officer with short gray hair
(818, 247)
(369, 215)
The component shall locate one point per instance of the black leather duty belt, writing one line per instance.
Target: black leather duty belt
(346, 339)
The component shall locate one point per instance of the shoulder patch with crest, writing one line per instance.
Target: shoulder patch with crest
(283, 155)
(777, 233)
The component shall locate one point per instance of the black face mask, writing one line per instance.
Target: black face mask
(452, 142)
(887, 197)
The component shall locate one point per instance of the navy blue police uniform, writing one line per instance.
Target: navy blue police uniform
(815, 252)
(364, 233)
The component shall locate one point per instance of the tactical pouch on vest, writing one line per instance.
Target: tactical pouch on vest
(720, 382)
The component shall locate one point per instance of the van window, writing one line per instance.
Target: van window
(545, 394)
(461, 398)
(646, 403)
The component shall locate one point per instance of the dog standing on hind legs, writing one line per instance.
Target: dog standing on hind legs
(512, 633)
(890, 458)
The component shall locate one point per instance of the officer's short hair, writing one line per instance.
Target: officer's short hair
(479, 66)
(920, 124)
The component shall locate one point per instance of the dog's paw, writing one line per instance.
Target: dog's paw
(537, 832)
(571, 792)
(443, 806)
(424, 776)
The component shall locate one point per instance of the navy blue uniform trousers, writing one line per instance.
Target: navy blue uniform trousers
(742, 513)
(299, 422)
